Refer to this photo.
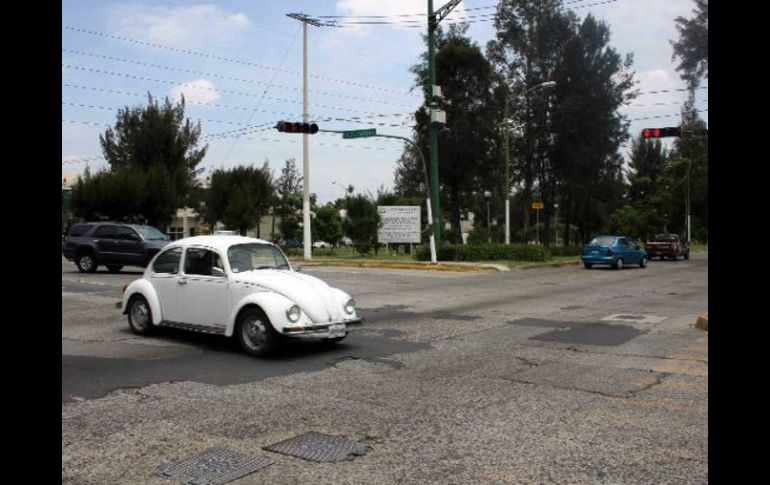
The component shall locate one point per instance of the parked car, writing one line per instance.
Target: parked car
(667, 245)
(112, 244)
(321, 244)
(616, 251)
(239, 287)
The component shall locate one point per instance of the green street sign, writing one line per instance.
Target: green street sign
(359, 133)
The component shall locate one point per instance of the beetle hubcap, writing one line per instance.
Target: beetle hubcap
(139, 314)
(254, 333)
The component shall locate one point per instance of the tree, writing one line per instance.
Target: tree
(327, 225)
(529, 42)
(593, 83)
(289, 199)
(239, 197)
(647, 163)
(692, 48)
(361, 222)
(689, 162)
(155, 135)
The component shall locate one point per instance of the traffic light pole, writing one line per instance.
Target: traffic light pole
(433, 128)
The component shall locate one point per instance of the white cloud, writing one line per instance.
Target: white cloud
(193, 26)
(199, 90)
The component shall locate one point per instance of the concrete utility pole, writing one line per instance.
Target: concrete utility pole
(436, 117)
(306, 242)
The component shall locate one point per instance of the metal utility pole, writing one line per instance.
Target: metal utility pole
(433, 19)
(306, 242)
(506, 184)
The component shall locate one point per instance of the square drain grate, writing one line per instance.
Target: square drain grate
(319, 447)
(213, 466)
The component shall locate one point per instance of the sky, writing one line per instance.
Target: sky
(239, 65)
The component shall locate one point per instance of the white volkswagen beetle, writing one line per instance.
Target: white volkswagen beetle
(236, 286)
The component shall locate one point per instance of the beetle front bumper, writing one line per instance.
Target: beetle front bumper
(324, 330)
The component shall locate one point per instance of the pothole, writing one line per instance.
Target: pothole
(374, 365)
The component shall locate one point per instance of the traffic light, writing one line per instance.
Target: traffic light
(289, 127)
(661, 132)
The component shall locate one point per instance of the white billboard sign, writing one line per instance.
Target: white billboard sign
(399, 224)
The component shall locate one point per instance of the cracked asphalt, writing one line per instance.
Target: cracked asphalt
(548, 375)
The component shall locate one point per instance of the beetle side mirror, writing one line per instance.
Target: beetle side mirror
(298, 269)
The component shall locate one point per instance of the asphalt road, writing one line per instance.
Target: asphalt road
(547, 375)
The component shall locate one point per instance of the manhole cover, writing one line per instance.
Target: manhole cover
(213, 466)
(319, 447)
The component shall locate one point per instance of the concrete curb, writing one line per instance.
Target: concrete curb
(703, 322)
(424, 266)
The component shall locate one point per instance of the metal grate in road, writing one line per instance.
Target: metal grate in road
(319, 447)
(213, 466)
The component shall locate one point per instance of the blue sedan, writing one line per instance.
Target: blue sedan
(615, 251)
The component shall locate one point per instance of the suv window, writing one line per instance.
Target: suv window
(199, 261)
(168, 262)
(106, 232)
(78, 230)
(127, 233)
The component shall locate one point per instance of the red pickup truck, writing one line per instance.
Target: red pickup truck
(667, 245)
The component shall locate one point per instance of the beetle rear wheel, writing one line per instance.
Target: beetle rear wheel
(255, 333)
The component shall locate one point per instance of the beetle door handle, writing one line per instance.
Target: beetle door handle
(182, 281)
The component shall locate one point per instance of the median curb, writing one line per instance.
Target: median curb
(703, 322)
(416, 265)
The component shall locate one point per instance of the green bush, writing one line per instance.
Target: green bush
(485, 252)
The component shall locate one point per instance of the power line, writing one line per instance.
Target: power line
(227, 59)
(423, 14)
(229, 78)
(665, 116)
(456, 20)
(90, 106)
(195, 86)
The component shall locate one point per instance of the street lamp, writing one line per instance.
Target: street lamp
(487, 195)
(506, 188)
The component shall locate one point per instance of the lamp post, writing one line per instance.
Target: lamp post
(487, 195)
(506, 186)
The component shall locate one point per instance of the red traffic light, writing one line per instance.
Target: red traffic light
(288, 127)
(661, 132)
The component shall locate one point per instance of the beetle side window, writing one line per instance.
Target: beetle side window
(168, 262)
(199, 261)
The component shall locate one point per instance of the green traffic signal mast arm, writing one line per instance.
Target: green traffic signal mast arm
(427, 185)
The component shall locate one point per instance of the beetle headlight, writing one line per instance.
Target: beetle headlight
(350, 306)
(293, 313)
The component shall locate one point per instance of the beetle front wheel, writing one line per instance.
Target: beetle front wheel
(255, 333)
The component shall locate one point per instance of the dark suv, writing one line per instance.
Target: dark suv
(112, 244)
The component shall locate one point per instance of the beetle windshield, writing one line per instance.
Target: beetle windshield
(252, 256)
